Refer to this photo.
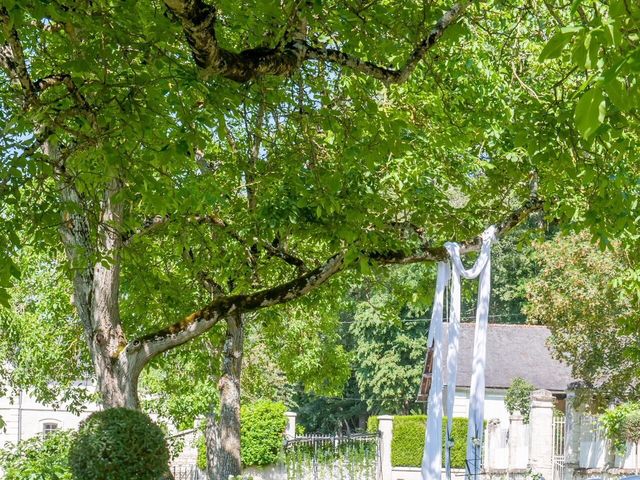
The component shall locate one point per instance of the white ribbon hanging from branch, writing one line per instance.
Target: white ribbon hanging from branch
(432, 457)
(433, 437)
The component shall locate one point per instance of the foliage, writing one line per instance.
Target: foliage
(594, 324)
(119, 444)
(388, 347)
(518, 398)
(262, 430)
(601, 42)
(328, 415)
(201, 460)
(41, 339)
(616, 428)
(631, 426)
(323, 160)
(39, 458)
(261, 434)
(407, 445)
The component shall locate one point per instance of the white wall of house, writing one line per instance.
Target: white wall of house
(494, 406)
(25, 417)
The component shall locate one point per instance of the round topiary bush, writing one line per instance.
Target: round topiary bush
(119, 444)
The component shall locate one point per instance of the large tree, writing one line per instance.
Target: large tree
(579, 294)
(240, 161)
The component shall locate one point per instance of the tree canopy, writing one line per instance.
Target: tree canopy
(190, 160)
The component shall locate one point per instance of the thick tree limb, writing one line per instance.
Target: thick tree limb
(12, 55)
(386, 74)
(202, 320)
(199, 24)
(434, 253)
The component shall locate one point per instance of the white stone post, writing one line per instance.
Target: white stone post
(518, 448)
(385, 427)
(290, 431)
(541, 431)
(491, 445)
(571, 434)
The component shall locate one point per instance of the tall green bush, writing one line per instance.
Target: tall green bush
(616, 426)
(262, 430)
(407, 444)
(38, 458)
(119, 444)
(518, 398)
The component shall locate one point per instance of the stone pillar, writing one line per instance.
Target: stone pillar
(518, 448)
(491, 445)
(290, 431)
(385, 427)
(541, 433)
(571, 434)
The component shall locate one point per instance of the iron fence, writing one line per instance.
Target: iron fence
(335, 457)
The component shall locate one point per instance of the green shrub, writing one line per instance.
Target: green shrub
(119, 444)
(518, 398)
(262, 429)
(261, 434)
(614, 421)
(407, 444)
(372, 424)
(201, 461)
(39, 458)
(631, 426)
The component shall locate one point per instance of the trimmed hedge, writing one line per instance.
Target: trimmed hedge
(119, 444)
(407, 444)
(262, 429)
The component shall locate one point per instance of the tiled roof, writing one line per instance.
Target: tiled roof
(512, 351)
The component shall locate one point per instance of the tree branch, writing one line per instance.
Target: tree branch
(388, 75)
(12, 55)
(435, 253)
(202, 320)
(274, 249)
(199, 322)
(199, 24)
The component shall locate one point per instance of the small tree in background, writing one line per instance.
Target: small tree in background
(518, 398)
(119, 444)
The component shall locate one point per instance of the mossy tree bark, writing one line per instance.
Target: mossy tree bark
(222, 433)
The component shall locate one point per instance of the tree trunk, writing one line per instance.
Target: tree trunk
(223, 435)
(96, 284)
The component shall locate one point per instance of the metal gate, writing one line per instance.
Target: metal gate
(557, 458)
(187, 472)
(323, 457)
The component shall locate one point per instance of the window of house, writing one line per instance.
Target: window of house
(48, 428)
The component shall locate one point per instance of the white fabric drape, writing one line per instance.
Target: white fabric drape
(453, 333)
(432, 456)
(431, 462)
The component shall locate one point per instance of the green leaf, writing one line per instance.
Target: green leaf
(617, 93)
(590, 112)
(617, 8)
(555, 46)
(364, 266)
